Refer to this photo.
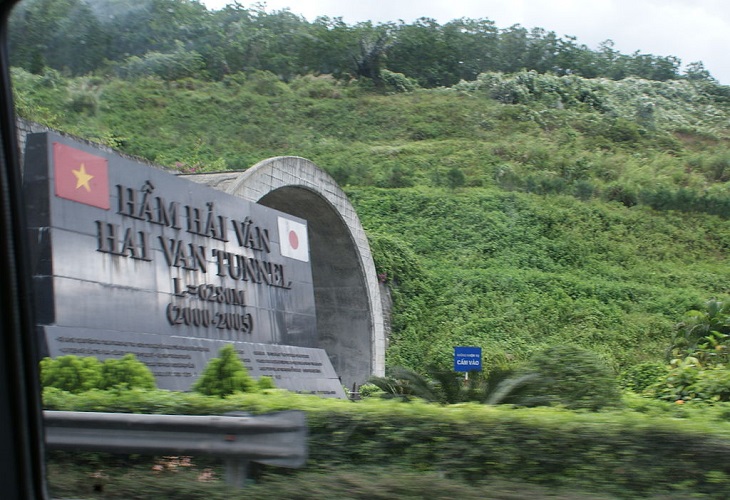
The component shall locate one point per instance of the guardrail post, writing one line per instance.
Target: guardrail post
(236, 472)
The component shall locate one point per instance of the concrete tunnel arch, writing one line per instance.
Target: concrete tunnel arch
(347, 297)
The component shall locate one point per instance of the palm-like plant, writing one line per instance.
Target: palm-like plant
(704, 334)
(439, 385)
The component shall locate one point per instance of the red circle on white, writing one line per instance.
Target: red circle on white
(293, 240)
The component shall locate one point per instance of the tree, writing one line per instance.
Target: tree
(542, 50)
(61, 34)
(327, 47)
(253, 39)
(576, 59)
(420, 52)
(513, 43)
(174, 65)
(653, 67)
(473, 44)
(224, 375)
(136, 28)
(374, 43)
(696, 72)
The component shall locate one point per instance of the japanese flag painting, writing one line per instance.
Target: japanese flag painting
(293, 239)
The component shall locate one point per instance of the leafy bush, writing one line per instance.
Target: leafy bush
(439, 386)
(568, 376)
(71, 373)
(397, 82)
(621, 453)
(641, 377)
(126, 373)
(264, 383)
(266, 83)
(83, 102)
(701, 350)
(455, 178)
(224, 375)
(369, 390)
(704, 334)
(75, 374)
(713, 384)
(316, 87)
(679, 384)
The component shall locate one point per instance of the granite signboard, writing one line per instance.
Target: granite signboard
(130, 258)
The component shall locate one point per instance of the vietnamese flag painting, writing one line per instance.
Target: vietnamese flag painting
(81, 176)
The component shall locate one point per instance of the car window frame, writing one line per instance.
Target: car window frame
(22, 461)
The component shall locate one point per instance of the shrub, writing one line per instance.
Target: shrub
(126, 373)
(265, 83)
(224, 375)
(583, 190)
(83, 102)
(569, 376)
(713, 384)
(622, 194)
(679, 382)
(620, 454)
(370, 390)
(71, 373)
(264, 383)
(455, 178)
(397, 82)
(719, 167)
(689, 381)
(643, 376)
(316, 87)
(704, 334)
(75, 375)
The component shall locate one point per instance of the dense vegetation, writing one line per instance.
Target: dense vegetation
(173, 39)
(653, 450)
(512, 212)
(624, 452)
(562, 208)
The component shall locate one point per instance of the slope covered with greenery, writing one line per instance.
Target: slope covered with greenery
(521, 192)
(512, 212)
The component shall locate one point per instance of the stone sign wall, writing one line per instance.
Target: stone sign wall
(130, 258)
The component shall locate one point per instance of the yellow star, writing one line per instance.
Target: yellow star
(82, 178)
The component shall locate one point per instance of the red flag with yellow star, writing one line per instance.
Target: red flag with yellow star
(80, 176)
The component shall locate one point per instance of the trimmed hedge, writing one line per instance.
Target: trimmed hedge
(622, 453)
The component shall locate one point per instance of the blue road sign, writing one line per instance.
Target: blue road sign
(467, 359)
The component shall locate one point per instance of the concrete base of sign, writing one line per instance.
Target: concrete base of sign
(177, 361)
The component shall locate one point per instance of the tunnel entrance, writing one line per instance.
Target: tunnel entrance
(347, 297)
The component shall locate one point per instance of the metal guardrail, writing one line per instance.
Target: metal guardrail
(274, 439)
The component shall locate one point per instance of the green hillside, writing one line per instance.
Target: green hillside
(512, 211)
